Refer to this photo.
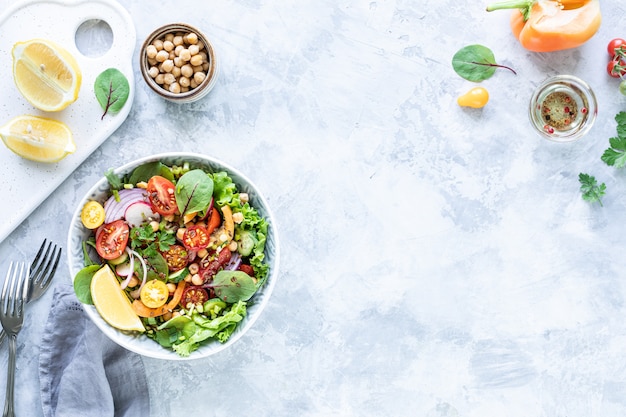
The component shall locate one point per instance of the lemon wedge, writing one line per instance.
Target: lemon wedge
(111, 302)
(38, 138)
(46, 74)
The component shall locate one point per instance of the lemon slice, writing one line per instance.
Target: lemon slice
(38, 138)
(112, 303)
(46, 74)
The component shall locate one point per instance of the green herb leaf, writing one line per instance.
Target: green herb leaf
(476, 63)
(616, 155)
(233, 286)
(112, 89)
(194, 191)
(590, 189)
(82, 283)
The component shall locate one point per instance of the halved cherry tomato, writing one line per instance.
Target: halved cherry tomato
(195, 238)
(195, 295)
(161, 193)
(176, 257)
(111, 239)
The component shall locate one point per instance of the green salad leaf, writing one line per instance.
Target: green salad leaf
(194, 191)
(82, 283)
(476, 63)
(112, 90)
(221, 328)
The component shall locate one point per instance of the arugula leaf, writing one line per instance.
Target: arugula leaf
(112, 89)
(590, 189)
(616, 155)
(476, 63)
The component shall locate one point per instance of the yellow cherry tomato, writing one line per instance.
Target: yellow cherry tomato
(476, 98)
(154, 293)
(92, 215)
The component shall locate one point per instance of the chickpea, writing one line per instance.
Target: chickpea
(199, 77)
(193, 268)
(193, 83)
(158, 44)
(169, 37)
(186, 71)
(178, 40)
(180, 233)
(178, 49)
(192, 38)
(196, 279)
(169, 78)
(153, 72)
(174, 88)
(185, 55)
(159, 79)
(184, 82)
(168, 46)
(162, 56)
(232, 246)
(151, 51)
(171, 287)
(154, 225)
(167, 65)
(194, 49)
(176, 71)
(195, 60)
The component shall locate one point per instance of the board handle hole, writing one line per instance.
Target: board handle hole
(94, 38)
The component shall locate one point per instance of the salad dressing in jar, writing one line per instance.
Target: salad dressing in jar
(563, 108)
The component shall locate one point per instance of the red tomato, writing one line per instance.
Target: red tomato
(617, 44)
(176, 257)
(111, 239)
(193, 294)
(161, 195)
(616, 69)
(247, 269)
(196, 238)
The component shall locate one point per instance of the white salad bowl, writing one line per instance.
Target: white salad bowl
(140, 343)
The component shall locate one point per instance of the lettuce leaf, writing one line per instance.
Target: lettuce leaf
(221, 328)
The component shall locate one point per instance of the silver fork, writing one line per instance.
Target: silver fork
(12, 301)
(42, 270)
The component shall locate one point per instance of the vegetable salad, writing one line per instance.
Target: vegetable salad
(187, 249)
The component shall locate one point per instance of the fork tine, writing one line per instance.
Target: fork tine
(36, 266)
(50, 268)
(15, 292)
(8, 282)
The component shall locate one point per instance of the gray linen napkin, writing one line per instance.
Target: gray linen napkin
(82, 372)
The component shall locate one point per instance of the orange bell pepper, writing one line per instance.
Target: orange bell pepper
(552, 25)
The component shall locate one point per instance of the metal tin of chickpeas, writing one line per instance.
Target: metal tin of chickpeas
(178, 62)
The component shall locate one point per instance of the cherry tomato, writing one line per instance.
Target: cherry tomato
(176, 257)
(247, 269)
(477, 97)
(161, 195)
(154, 293)
(617, 44)
(193, 294)
(196, 238)
(616, 69)
(111, 239)
(92, 215)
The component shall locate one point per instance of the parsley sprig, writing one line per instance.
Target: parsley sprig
(149, 242)
(615, 156)
(590, 189)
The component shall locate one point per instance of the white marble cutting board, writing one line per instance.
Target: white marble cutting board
(25, 184)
